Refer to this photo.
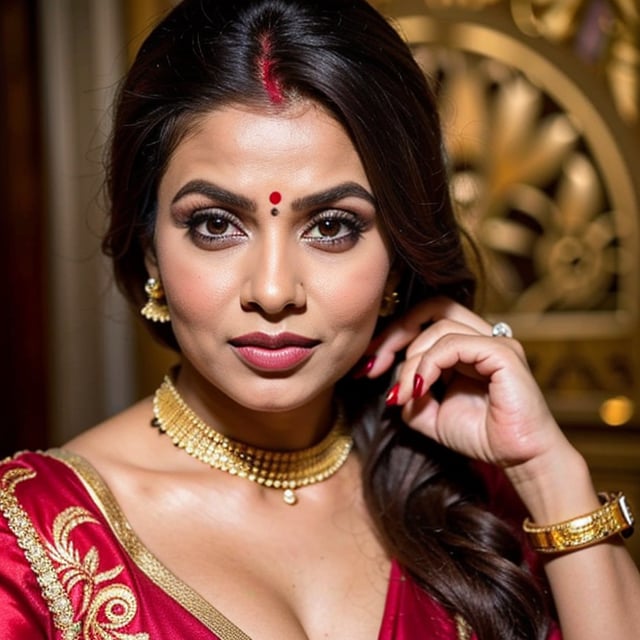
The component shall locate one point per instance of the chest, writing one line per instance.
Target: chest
(274, 570)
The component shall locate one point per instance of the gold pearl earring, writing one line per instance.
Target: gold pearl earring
(389, 304)
(154, 309)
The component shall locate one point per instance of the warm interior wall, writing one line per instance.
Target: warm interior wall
(90, 344)
(22, 234)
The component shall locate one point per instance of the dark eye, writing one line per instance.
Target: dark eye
(334, 229)
(215, 225)
(330, 228)
(214, 228)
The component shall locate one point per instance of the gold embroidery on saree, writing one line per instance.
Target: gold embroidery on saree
(104, 611)
(463, 630)
(27, 537)
(115, 602)
(206, 613)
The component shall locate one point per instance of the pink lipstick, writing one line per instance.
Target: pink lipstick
(273, 352)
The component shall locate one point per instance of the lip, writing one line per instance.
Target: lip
(273, 352)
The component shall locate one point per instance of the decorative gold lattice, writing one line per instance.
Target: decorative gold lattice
(539, 100)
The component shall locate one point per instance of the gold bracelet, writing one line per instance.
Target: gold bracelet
(613, 517)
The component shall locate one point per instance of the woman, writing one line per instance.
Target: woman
(356, 448)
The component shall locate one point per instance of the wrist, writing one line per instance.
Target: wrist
(555, 487)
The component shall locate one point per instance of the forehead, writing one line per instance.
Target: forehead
(238, 141)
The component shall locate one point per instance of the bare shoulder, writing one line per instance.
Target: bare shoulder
(122, 446)
(130, 456)
(115, 436)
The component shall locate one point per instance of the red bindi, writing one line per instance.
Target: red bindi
(275, 197)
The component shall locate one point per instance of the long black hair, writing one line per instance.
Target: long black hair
(345, 56)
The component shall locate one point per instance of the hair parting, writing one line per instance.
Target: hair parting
(266, 66)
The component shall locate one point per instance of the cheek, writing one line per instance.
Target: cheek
(195, 291)
(357, 304)
(355, 296)
(352, 304)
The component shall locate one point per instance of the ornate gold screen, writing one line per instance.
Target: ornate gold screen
(540, 104)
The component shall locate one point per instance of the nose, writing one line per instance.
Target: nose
(273, 283)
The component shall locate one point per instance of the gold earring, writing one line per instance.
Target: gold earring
(155, 310)
(389, 304)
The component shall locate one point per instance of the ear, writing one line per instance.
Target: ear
(393, 279)
(151, 261)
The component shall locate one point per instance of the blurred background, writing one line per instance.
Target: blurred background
(540, 101)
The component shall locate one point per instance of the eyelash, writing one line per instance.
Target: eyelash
(205, 216)
(354, 223)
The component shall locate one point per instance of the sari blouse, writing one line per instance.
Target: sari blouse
(71, 568)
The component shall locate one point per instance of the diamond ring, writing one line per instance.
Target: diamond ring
(501, 330)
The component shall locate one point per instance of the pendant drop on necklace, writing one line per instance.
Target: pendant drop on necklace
(290, 497)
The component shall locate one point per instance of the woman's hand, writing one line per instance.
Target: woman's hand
(491, 408)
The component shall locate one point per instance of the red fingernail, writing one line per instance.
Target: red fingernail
(392, 397)
(365, 367)
(418, 386)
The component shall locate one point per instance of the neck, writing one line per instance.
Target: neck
(274, 469)
(290, 429)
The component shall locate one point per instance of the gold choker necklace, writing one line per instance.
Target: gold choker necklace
(286, 470)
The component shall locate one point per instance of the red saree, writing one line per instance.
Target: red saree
(72, 568)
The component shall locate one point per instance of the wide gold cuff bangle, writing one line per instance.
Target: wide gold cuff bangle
(613, 517)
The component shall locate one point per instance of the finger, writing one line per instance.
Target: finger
(404, 330)
(471, 355)
(407, 373)
(434, 332)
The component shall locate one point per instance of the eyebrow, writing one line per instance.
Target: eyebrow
(213, 191)
(340, 191)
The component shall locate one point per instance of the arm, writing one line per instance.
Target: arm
(493, 411)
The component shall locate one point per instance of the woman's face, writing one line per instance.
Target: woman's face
(270, 253)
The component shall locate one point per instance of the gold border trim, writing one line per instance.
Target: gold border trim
(29, 541)
(157, 572)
